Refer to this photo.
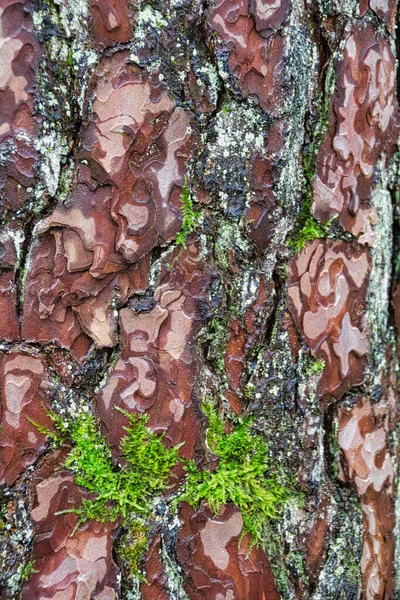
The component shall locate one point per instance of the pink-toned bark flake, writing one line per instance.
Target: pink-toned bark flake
(24, 396)
(19, 124)
(364, 443)
(269, 14)
(71, 567)
(110, 22)
(156, 370)
(364, 123)
(69, 306)
(9, 321)
(217, 566)
(125, 202)
(384, 9)
(256, 52)
(327, 291)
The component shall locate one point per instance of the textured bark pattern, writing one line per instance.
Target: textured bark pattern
(78, 566)
(275, 117)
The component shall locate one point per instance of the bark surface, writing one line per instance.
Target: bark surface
(200, 224)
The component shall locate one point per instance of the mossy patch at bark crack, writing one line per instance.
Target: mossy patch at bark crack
(125, 494)
(190, 217)
(244, 475)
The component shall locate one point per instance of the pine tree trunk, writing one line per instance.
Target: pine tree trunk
(200, 226)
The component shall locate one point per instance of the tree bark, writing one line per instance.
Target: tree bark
(200, 207)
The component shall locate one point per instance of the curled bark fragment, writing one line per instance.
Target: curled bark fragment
(125, 202)
(256, 52)
(19, 124)
(364, 442)
(216, 564)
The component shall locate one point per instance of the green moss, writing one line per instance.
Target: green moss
(315, 367)
(334, 447)
(226, 109)
(190, 217)
(125, 493)
(60, 434)
(240, 476)
(118, 492)
(310, 229)
(217, 334)
(132, 546)
(27, 570)
(129, 494)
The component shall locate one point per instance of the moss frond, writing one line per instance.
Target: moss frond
(190, 217)
(310, 229)
(27, 570)
(241, 476)
(125, 493)
(118, 492)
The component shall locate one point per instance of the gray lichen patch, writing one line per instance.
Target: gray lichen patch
(300, 75)
(229, 237)
(235, 135)
(62, 79)
(172, 569)
(340, 576)
(16, 539)
(379, 287)
(348, 8)
(281, 546)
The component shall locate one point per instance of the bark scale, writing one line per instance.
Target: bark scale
(200, 201)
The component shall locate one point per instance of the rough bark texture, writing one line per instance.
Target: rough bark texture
(200, 203)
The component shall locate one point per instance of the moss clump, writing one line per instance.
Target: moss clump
(132, 546)
(240, 477)
(315, 367)
(129, 493)
(118, 493)
(190, 217)
(310, 229)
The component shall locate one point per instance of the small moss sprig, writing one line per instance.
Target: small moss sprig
(315, 366)
(27, 570)
(309, 228)
(240, 477)
(190, 217)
